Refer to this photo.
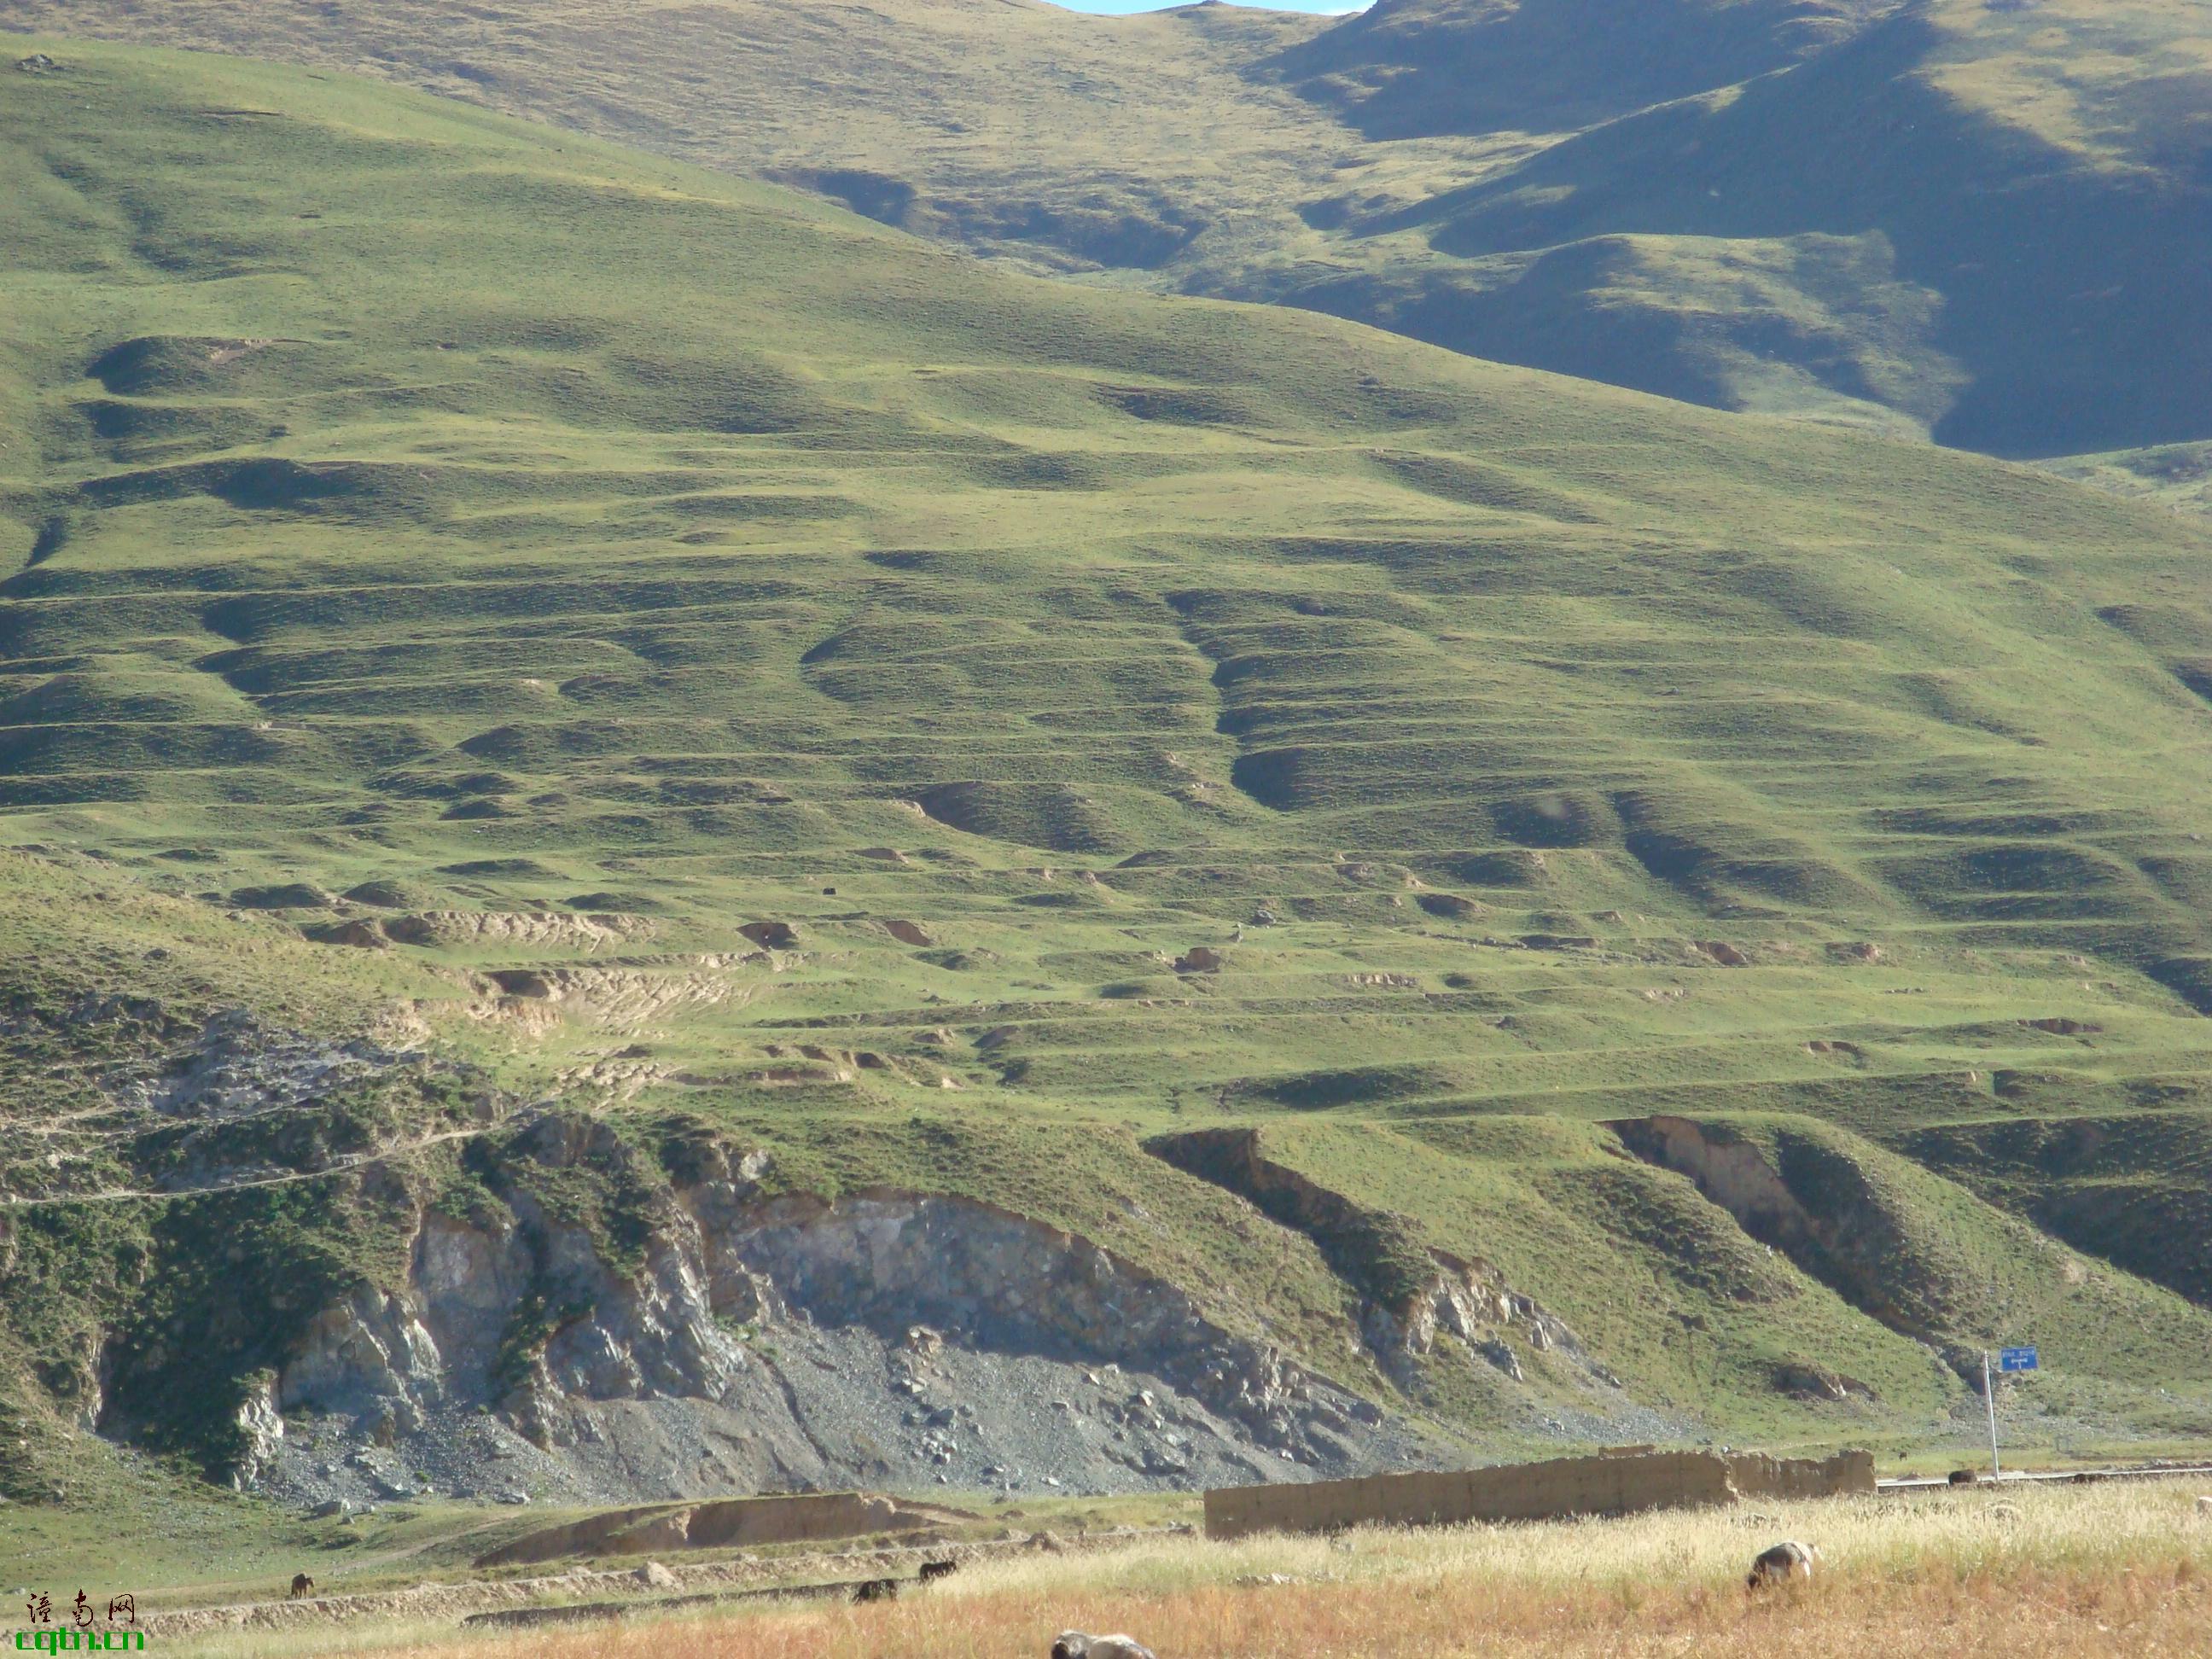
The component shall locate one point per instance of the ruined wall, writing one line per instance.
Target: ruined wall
(1755, 1474)
(1530, 1492)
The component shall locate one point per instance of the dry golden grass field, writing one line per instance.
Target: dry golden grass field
(2100, 1570)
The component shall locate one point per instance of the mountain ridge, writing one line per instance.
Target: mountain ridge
(1998, 254)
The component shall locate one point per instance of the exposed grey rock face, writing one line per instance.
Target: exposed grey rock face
(265, 1436)
(1472, 1301)
(370, 1356)
(238, 1066)
(765, 1343)
(1000, 1283)
(1402, 1315)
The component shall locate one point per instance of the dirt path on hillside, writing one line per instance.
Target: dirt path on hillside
(338, 1166)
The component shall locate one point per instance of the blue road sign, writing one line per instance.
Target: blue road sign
(2016, 1360)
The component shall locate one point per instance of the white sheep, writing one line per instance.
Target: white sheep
(1074, 1644)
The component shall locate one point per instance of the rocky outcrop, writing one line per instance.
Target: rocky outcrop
(997, 1281)
(523, 1304)
(1408, 1290)
(239, 1067)
(706, 1336)
(262, 1430)
(1821, 1210)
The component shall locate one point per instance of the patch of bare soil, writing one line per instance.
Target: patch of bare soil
(534, 928)
(624, 997)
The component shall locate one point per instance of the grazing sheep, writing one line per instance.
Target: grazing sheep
(1781, 1564)
(933, 1571)
(302, 1585)
(1074, 1644)
(877, 1590)
(2204, 1508)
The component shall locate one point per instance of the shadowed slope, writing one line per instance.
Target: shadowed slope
(1407, 69)
(2050, 248)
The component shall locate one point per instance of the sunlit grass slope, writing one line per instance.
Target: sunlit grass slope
(505, 530)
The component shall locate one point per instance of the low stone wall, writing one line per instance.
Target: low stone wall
(1530, 1492)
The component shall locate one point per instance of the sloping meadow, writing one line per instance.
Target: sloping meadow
(944, 731)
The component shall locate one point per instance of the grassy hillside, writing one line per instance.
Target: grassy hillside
(685, 650)
(2181, 475)
(1981, 222)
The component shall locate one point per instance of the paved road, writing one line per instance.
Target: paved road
(1920, 1483)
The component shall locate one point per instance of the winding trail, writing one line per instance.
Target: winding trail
(353, 1161)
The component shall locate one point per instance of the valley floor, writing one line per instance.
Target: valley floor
(2105, 1569)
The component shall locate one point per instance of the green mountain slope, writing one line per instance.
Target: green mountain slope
(1984, 223)
(701, 657)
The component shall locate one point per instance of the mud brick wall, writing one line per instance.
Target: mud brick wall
(1530, 1492)
(1753, 1474)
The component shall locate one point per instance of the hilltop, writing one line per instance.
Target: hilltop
(1984, 223)
(625, 788)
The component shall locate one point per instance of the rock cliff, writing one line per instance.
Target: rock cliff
(723, 1337)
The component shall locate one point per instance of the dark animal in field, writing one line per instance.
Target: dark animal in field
(1781, 1564)
(933, 1571)
(1963, 1477)
(1074, 1644)
(877, 1590)
(302, 1585)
